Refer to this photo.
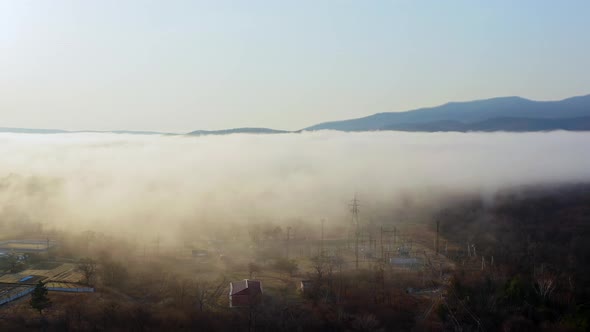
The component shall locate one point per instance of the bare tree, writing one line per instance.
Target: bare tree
(13, 263)
(253, 268)
(109, 313)
(545, 283)
(207, 293)
(87, 267)
(366, 323)
(113, 273)
(182, 288)
(322, 268)
(288, 266)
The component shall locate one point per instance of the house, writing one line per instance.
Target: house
(244, 293)
(306, 285)
(200, 253)
(405, 261)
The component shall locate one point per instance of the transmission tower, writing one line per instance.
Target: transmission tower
(288, 238)
(385, 254)
(354, 209)
(322, 241)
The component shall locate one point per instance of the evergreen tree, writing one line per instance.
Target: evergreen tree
(39, 300)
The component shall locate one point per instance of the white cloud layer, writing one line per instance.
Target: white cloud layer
(119, 182)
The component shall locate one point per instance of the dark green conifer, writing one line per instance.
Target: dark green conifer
(39, 300)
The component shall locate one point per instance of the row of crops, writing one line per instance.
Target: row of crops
(63, 273)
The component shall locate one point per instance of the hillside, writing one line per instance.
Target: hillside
(510, 124)
(503, 111)
(59, 131)
(238, 131)
(513, 114)
(539, 278)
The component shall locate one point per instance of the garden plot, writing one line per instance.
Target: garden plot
(63, 273)
(21, 278)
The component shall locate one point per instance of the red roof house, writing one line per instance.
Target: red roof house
(244, 293)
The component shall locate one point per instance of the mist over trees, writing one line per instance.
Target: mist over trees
(160, 234)
(108, 182)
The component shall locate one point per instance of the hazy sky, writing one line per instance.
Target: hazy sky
(185, 65)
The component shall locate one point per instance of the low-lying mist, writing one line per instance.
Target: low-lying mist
(145, 184)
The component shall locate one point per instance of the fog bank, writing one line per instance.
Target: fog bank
(130, 182)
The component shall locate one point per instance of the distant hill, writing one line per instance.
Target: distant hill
(32, 131)
(238, 131)
(59, 131)
(514, 114)
(497, 124)
(132, 132)
(505, 113)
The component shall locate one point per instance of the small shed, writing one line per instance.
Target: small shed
(306, 285)
(244, 293)
(200, 253)
(405, 261)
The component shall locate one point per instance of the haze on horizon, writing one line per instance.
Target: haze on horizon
(117, 182)
(184, 65)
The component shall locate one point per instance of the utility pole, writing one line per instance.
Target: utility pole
(158, 245)
(87, 233)
(381, 240)
(322, 241)
(437, 230)
(288, 236)
(354, 205)
(385, 254)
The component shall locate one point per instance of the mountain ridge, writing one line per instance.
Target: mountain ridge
(243, 130)
(468, 112)
(510, 113)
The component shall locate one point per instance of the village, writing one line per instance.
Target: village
(402, 267)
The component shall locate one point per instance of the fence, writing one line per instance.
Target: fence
(14, 295)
